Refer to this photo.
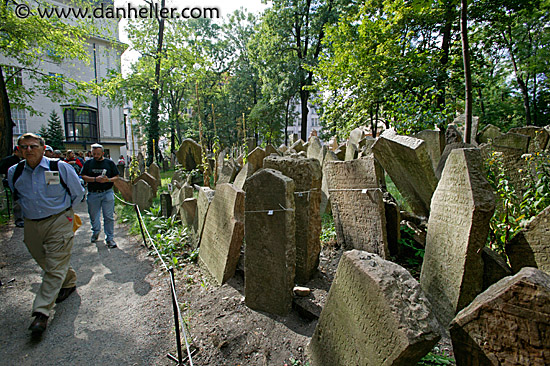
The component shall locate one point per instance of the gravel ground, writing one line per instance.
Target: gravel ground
(121, 313)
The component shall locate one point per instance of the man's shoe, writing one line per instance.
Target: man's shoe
(94, 237)
(111, 244)
(64, 293)
(20, 223)
(39, 323)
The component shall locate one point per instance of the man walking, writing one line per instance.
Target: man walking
(46, 191)
(100, 173)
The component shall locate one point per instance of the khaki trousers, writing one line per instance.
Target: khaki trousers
(50, 242)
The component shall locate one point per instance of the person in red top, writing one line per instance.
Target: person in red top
(75, 163)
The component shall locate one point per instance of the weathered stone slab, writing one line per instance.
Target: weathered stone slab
(165, 205)
(306, 174)
(316, 149)
(435, 144)
(325, 194)
(356, 135)
(206, 195)
(178, 176)
(250, 143)
(227, 171)
(460, 122)
(407, 162)
(153, 183)
(531, 246)
(223, 233)
(270, 252)
(494, 267)
(189, 154)
(298, 146)
(393, 226)
(154, 170)
(246, 172)
(125, 188)
(187, 191)
(508, 324)
(142, 194)
(357, 206)
(488, 133)
(188, 213)
(511, 141)
(352, 151)
(256, 159)
(448, 148)
(270, 149)
(376, 314)
(333, 143)
(462, 205)
(141, 163)
(538, 137)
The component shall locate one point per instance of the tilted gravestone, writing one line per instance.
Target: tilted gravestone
(462, 205)
(227, 171)
(435, 144)
(357, 205)
(223, 233)
(298, 146)
(142, 195)
(325, 194)
(154, 170)
(270, 149)
(508, 324)
(270, 252)
(488, 133)
(538, 137)
(165, 205)
(531, 246)
(375, 314)
(125, 188)
(153, 183)
(306, 174)
(443, 159)
(256, 159)
(316, 149)
(188, 213)
(407, 162)
(247, 171)
(189, 154)
(205, 197)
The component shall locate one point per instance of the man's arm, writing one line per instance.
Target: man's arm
(72, 181)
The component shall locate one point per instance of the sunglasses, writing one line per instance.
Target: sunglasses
(32, 147)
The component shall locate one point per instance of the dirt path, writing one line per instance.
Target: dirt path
(120, 315)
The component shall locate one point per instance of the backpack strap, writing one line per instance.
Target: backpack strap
(19, 170)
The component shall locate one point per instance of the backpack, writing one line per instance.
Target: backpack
(19, 170)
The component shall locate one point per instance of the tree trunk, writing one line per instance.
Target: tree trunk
(304, 96)
(153, 130)
(467, 73)
(6, 123)
(286, 120)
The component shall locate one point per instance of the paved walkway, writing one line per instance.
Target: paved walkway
(120, 314)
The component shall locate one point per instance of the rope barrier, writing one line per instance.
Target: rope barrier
(363, 190)
(270, 212)
(175, 304)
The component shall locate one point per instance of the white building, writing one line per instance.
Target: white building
(313, 123)
(91, 121)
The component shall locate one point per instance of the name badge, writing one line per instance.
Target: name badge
(52, 177)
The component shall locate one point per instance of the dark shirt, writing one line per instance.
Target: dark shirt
(94, 168)
(7, 162)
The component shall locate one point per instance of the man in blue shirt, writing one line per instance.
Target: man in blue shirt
(46, 198)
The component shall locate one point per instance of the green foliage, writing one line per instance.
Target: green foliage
(328, 231)
(134, 169)
(411, 254)
(432, 359)
(53, 134)
(516, 206)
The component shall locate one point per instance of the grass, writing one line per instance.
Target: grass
(392, 189)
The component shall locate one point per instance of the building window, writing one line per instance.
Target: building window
(20, 120)
(80, 125)
(13, 75)
(315, 122)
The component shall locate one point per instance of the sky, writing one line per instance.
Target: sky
(225, 6)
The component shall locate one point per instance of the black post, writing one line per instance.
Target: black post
(176, 314)
(141, 226)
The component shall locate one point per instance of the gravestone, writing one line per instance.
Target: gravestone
(223, 233)
(177, 198)
(357, 135)
(153, 183)
(306, 174)
(189, 154)
(256, 159)
(165, 165)
(460, 122)
(538, 137)
(393, 225)
(352, 151)
(510, 141)
(142, 194)
(452, 135)
(179, 176)
(154, 170)
(495, 267)
(283, 148)
(270, 252)
(141, 163)
(316, 149)
(435, 144)
(357, 206)
(508, 324)
(247, 171)
(531, 246)
(205, 197)
(250, 143)
(407, 162)
(125, 188)
(120, 168)
(333, 143)
(187, 191)
(341, 152)
(462, 205)
(448, 148)
(375, 314)
(325, 194)
(298, 146)
(227, 171)
(269, 149)
(165, 205)
(488, 133)
(188, 213)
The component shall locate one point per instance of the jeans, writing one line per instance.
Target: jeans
(105, 201)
